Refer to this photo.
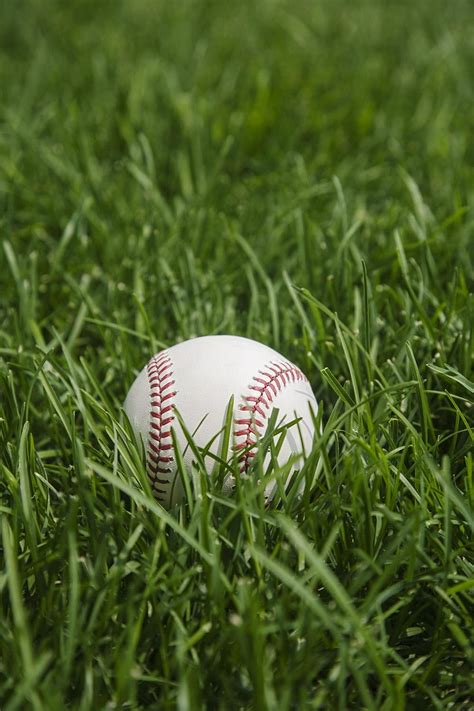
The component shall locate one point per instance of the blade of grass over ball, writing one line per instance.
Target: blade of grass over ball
(154, 507)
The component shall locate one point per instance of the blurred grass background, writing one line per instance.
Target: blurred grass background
(296, 172)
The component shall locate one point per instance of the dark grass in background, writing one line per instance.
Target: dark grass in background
(296, 172)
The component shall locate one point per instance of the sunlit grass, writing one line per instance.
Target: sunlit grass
(296, 173)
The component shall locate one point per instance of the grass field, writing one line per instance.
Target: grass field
(297, 172)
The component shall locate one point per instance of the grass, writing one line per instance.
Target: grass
(296, 172)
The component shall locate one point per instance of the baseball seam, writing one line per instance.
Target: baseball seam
(160, 443)
(269, 382)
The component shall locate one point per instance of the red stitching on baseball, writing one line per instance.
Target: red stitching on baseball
(160, 379)
(275, 377)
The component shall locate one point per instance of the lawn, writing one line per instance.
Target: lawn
(298, 172)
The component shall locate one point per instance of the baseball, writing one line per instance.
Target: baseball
(197, 379)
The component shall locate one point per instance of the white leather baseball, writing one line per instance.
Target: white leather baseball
(198, 378)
